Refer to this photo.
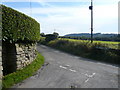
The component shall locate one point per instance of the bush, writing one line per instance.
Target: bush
(42, 40)
(50, 37)
(17, 26)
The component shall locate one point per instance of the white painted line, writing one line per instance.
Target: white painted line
(69, 69)
(87, 80)
(67, 65)
(94, 74)
(72, 70)
(63, 67)
(90, 76)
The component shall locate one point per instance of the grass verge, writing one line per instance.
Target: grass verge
(20, 75)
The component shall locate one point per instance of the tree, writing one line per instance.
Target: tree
(42, 34)
(50, 37)
(56, 34)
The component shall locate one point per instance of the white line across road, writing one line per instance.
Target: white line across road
(68, 69)
(89, 76)
(67, 65)
(63, 67)
(72, 70)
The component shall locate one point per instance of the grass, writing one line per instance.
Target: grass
(105, 42)
(110, 44)
(20, 75)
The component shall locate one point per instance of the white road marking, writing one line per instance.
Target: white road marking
(87, 80)
(63, 67)
(67, 65)
(89, 76)
(72, 70)
(92, 75)
(69, 69)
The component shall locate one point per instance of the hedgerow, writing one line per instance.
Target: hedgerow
(17, 26)
(95, 51)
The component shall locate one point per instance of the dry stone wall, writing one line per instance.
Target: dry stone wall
(16, 56)
(25, 54)
(1, 68)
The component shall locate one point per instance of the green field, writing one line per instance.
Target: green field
(110, 44)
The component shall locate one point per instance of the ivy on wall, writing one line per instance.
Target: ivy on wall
(17, 26)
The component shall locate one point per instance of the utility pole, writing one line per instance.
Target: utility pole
(91, 8)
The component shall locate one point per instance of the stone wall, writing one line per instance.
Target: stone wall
(25, 54)
(8, 58)
(16, 56)
(1, 68)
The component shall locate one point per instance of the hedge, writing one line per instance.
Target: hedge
(50, 37)
(95, 51)
(17, 26)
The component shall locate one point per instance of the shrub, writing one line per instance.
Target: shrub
(17, 26)
(42, 40)
(50, 37)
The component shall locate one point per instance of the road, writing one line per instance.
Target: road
(62, 70)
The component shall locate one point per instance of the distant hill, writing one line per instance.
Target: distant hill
(96, 36)
(89, 35)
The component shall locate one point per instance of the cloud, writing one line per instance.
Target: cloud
(105, 11)
(75, 19)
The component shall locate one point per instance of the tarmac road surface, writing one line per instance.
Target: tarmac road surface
(62, 70)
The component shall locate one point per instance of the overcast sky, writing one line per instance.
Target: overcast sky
(70, 16)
